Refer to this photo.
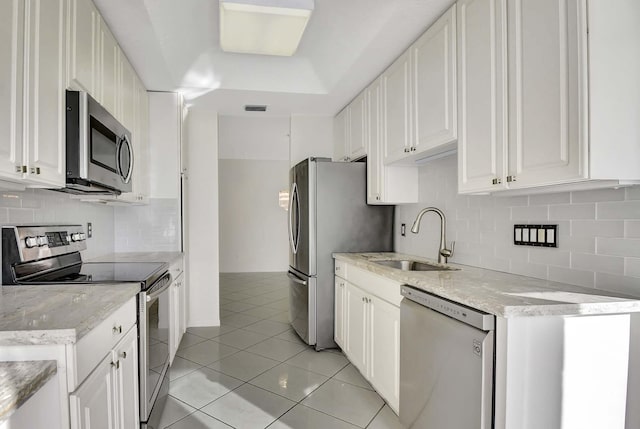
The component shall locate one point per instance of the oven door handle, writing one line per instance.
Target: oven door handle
(166, 279)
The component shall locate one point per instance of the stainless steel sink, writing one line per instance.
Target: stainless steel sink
(409, 265)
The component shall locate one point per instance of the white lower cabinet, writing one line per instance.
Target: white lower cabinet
(367, 327)
(177, 308)
(108, 397)
(339, 312)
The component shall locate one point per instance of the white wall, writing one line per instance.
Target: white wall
(45, 207)
(254, 166)
(202, 218)
(599, 231)
(311, 136)
(253, 227)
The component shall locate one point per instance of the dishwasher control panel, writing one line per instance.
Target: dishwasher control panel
(470, 316)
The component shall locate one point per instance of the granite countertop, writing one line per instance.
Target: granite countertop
(502, 294)
(20, 380)
(168, 257)
(57, 314)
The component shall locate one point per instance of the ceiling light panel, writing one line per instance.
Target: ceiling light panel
(267, 27)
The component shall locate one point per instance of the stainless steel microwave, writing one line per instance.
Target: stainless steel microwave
(99, 149)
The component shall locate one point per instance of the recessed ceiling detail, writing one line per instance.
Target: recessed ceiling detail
(176, 46)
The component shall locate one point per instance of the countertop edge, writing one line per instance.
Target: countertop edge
(547, 308)
(14, 393)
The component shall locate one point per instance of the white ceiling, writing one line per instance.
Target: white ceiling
(174, 45)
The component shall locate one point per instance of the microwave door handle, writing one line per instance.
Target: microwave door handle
(124, 140)
(118, 149)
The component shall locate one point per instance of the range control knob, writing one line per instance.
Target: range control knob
(43, 240)
(75, 236)
(31, 242)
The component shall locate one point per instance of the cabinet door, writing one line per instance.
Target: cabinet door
(126, 98)
(358, 127)
(339, 312)
(45, 90)
(182, 308)
(109, 69)
(434, 85)
(341, 135)
(11, 76)
(482, 69)
(384, 363)
(356, 327)
(396, 109)
(126, 354)
(83, 46)
(92, 404)
(375, 167)
(547, 143)
(173, 320)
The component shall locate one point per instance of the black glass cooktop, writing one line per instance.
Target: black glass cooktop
(103, 272)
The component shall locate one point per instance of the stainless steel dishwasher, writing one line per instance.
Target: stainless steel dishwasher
(446, 363)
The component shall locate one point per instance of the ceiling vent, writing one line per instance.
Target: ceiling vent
(255, 108)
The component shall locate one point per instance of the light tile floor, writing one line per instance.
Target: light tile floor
(254, 372)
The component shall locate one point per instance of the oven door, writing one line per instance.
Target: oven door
(154, 342)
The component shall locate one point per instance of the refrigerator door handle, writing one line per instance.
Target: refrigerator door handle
(294, 241)
(296, 279)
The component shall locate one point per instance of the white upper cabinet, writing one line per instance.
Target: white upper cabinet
(568, 93)
(350, 131)
(546, 71)
(165, 119)
(434, 86)
(11, 76)
(357, 140)
(83, 47)
(482, 28)
(341, 135)
(45, 81)
(109, 69)
(386, 184)
(127, 94)
(396, 99)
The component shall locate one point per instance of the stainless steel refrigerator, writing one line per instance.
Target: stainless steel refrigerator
(327, 213)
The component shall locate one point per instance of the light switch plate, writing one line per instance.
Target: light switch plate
(535, 235)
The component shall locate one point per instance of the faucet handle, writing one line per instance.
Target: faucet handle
(447, 253)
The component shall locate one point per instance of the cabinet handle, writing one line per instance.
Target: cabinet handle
(116, 364)
(19, 168)
(377, 197)
(511, 178)
(406, 150)
(123, 355)
(413, 149)
(117, 330)
(37, 170)
(496, 181)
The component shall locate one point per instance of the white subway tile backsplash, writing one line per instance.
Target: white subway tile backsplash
(632, 267)
(597, 263)
(632, 228)
(154, 227)
(559, 198)
(584, 278)
(633, 192)
(528, 269)
(618, 246)
(619, 210)
(597, 228)
(597, 195)
(549, 256)
(572, 211)
(532, 214)
(616, 283)
(609, 217)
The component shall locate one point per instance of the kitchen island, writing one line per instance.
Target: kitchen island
(558, 354)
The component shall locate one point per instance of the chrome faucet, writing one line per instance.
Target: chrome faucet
(444, 253)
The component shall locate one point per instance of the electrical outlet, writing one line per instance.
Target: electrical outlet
(89, 230)
(535, 235)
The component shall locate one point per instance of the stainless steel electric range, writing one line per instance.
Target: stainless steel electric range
(50, 254)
